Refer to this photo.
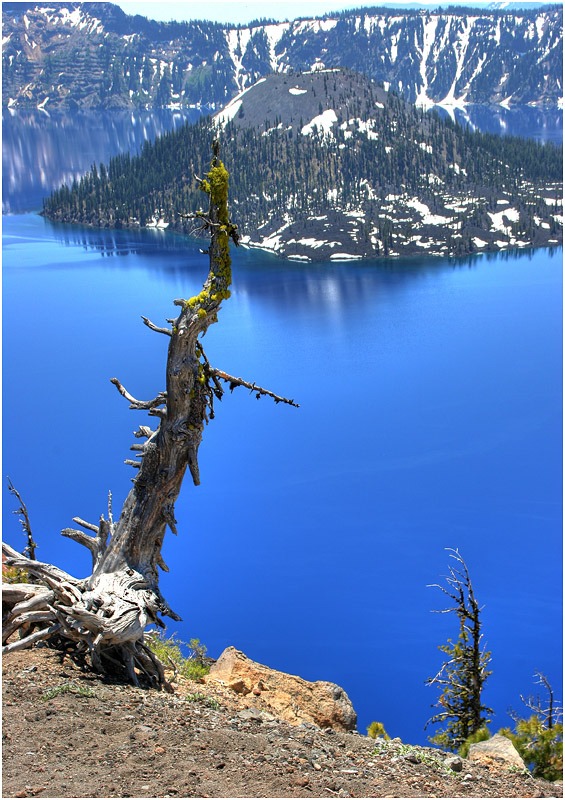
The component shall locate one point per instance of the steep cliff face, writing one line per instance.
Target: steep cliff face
(94, 55)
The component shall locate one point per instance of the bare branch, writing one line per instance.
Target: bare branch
(25, 620)
(88, 525)
(96, 544)
(549, 711)
(24, 643)
(22, 593)
(79, 536)
(144, 430)
(139, 404)
(233, 382)
(38, 568)
(27, 604)
(169, 514)
(174, 668)
(162, 564)
(29, 550)
(166, 610)
(156, 328)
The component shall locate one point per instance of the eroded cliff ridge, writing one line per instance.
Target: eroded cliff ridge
(93, 55)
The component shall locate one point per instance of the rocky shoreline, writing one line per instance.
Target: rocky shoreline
(416, 230)
(354, 235)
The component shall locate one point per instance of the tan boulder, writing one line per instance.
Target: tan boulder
(291, 698)
(498, 749)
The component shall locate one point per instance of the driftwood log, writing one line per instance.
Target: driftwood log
(105, 615)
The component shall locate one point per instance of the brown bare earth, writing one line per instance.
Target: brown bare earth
(203, 741)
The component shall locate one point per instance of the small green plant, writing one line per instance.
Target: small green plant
(519, 770)
(432, 760)
(169, 652)
(65, 688)
(416, 754)
(198, 697)
(376, 730)
(479, 736)
(15, 575)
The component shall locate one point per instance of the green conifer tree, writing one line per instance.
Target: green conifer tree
(464, 672)
(539, 738)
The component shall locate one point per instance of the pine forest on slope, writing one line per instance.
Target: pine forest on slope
(91, 55)
(329, 165)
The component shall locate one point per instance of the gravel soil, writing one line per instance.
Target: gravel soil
(68, 733)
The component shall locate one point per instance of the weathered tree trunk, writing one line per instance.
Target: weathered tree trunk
(108, 611)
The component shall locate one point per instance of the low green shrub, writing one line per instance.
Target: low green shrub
(376, 730)
(169, 652)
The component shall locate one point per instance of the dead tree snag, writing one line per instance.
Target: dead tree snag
(106, 613)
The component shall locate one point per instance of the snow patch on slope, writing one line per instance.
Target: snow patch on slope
(274, 34)
(323, 122)
(430, 26)
(228, 113)
(427, 217)
(237, 40)
(498, 224)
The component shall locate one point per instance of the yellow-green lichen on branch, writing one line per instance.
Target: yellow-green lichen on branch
(219, 180)
(219, 183)
(223, 268)
(216, 186)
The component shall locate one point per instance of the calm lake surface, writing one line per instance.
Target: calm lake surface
(431, 408)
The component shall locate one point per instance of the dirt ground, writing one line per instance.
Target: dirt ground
(68, 733)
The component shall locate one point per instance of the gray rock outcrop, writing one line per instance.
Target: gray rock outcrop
(497, 748)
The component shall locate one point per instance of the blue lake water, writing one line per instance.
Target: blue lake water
(431, 407)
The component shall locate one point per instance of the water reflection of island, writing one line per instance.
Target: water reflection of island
(279, 283)
(542, 124)
(41, 151)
